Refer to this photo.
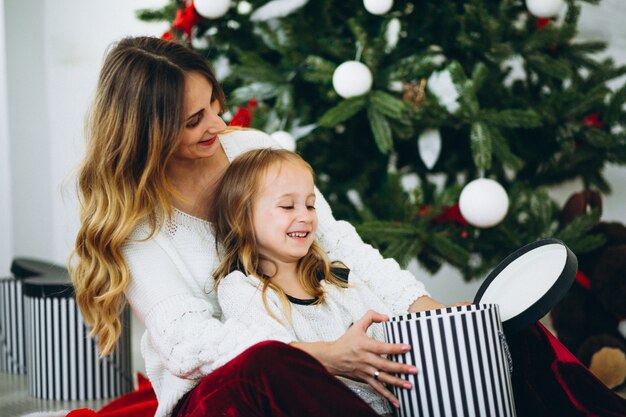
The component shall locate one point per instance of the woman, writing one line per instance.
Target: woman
(157, 148)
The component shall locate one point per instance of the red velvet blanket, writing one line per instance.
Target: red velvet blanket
(140, 403)
(548, 381)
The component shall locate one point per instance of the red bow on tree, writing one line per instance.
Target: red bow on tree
(243, 117)
(451, 214)
(186, 18)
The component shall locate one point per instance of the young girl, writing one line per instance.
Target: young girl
(272, 273)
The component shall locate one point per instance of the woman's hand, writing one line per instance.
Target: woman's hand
(357, 356)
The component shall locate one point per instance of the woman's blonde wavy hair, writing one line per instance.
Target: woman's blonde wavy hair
(232, 217)
(134, 125)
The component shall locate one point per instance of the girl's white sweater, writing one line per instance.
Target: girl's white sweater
(241, 300)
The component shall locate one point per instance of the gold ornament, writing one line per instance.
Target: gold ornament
(413, 92)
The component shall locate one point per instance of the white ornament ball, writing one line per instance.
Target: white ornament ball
(244, 7)
(544, 8)
(211, 9)
(200, 43)
(285, 140)
(352, 79)
(378, 7)
(483, 203)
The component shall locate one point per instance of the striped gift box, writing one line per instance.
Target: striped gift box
(62, 358)
(12, 341)
(12, 346)
(463, 366)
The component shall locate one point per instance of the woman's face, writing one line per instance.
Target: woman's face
(202, 120)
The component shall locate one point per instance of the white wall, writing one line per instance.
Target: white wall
(6, 226)
(29, 131)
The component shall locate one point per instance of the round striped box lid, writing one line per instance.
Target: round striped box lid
(48, 286)
(23, 267)
(529, 282)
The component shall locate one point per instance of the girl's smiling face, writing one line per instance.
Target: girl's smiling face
(283, 213)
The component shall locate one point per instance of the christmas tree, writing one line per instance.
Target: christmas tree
(434, 126)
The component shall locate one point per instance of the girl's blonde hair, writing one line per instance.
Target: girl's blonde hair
(133, 127)
(232, 217)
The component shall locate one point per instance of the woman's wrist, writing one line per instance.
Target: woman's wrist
(424, 303)
(322, 351)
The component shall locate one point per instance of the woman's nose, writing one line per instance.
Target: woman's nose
(215, 123)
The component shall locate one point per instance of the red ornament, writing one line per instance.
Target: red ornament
(542, 22)
(243, 117)
(425, 209)
(167, 36)
(593, 120)
(186, 18)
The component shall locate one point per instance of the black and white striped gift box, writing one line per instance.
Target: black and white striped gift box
(62, 358)
(12, 344)
(12, 336)
(463, 366)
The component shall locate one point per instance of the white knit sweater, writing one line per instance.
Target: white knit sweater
(170, 290)
(241, 301)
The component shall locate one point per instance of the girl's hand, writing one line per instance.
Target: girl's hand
(426, 303)
(462, 303)
(357, 356)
